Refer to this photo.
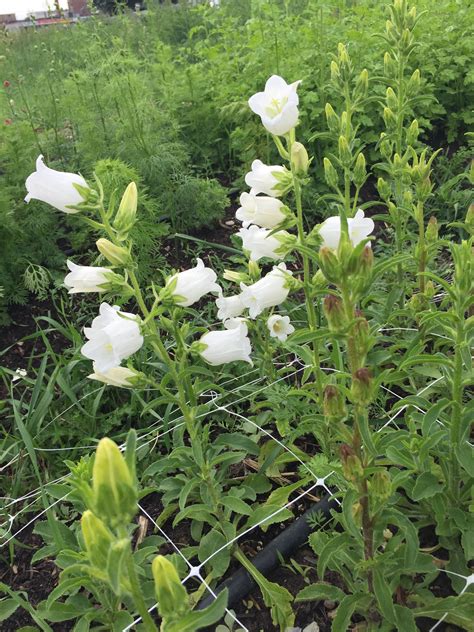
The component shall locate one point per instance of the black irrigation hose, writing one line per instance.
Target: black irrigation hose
(241, 583)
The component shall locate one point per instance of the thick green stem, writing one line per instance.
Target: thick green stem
(421, 246)
(456, 406)
(137, 595)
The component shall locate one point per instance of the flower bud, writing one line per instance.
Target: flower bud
(319, 280)
(330, 174)
(386, 148)
(351, 464)
(392, 101)
(236, 277)
(411, 17)
(333, 404)
(413, 132)
(361, 335)
(335, 72)
(390, 67)
(381, 485)
(406, 41)
(342, 55)
(97, 539)
(345, 155)
(254, 270)
(362, 386)
(329, 264)
(170, 593)
(413, 85)
(299, 159)
(362, 84)
(331, 118)
(333, 309)
(116, 255)
(126, 214)
(430, 289)
(469, 221)
(431, 233)
(360, 172)
(389, 118)
(384, 189)
(114, 490)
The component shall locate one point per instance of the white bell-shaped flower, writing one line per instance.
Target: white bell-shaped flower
(277, 105)
(54, 187)
(86, 278)
(229, 345)
(113, 337)
(280, 327)
(260, 243)
(360, 227)
(119, 376)
(262, 178)
(260, 210)
(193, 284)
(229, 306)
(270, 291)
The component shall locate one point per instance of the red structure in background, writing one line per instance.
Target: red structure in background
(78, 8)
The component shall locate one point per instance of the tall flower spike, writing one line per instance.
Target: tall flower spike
(277, 105)
(54, 187)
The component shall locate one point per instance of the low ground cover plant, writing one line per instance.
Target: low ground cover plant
(314, 359)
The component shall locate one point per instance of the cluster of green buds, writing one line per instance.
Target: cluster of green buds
(353, 89)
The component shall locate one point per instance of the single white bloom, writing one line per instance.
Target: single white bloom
(261, 179)
(269, 291)
(229, 345)
(113, 337)
(260, 210)
(229, 306)
(280, 327)
(260, 243)
(277, 105)
(54, 187)
(193, 284)
(360, 228)
(86, 278)
(19, 373)
(116, 376)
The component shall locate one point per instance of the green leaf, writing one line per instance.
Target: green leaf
(320, 591)
(345, 611)
(405, 619)
(236, 504)
(383, 595)
(7, 608)
(426, 486)
(460, 610)
(211, 542)
(201, 618)
(115, 560)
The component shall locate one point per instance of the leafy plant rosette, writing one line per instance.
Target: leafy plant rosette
(388, 410)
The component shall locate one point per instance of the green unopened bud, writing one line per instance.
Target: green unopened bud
(411, 17)
(389, 118)
(406, 39)
(381, 486)
(329, 264)
(384, 189)
(413, 85)
(254, 270)
(170, 593)
(413, 132)
(116, 255)
(362, 84)
(331, 118)
(470, 218)
(330, 174)
(345, 155)
(362, 387)
(236, 277)
(360, 172)
(431, 233)
(342, 55)
(127, 212)
(392, 100)
(430, 289)
(351, 464)
(97, 539)
(390, 67)
(424, 188)
(333, 309)
(407, 198)
(333, 404)
(335, 72)
(319, 280)
(386, 147)
(345, 127)
(299, 159)
(114, 490)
